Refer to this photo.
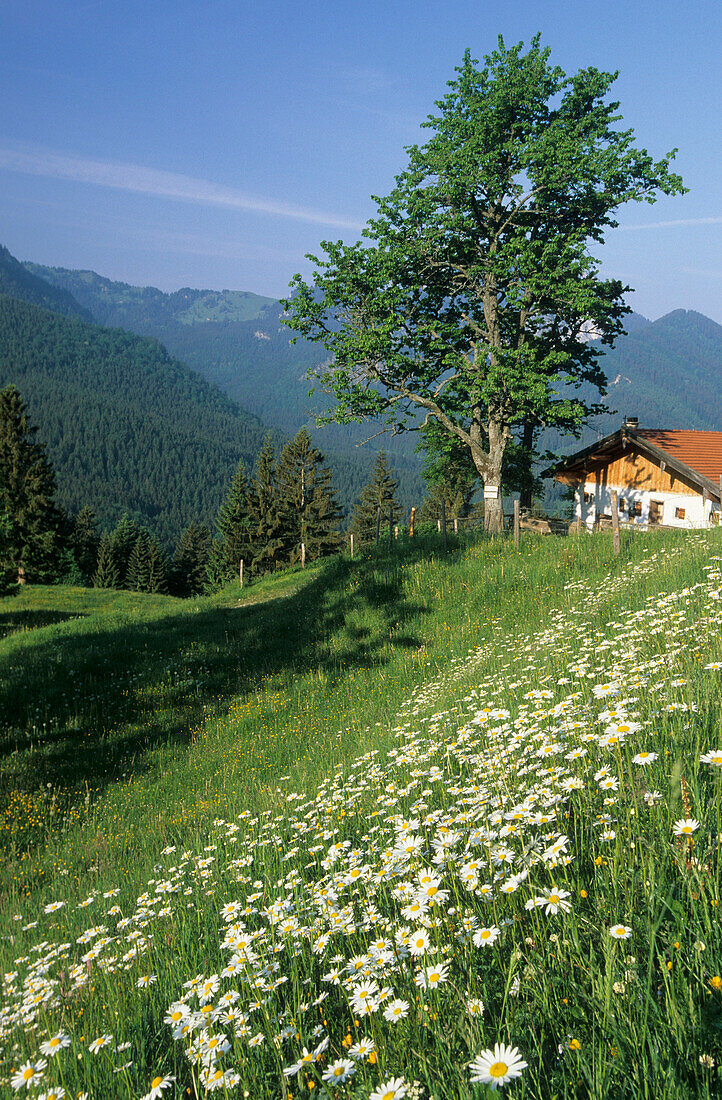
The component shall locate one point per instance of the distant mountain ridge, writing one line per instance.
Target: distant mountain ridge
(17, 281)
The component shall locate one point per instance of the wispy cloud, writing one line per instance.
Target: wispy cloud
(152, 181)
(673, 224)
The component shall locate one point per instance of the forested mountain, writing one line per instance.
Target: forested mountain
(236, 341)
(18, 282)
(127, 428)
(667, 373)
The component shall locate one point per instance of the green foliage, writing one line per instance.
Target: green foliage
(309, 510)
(266, 518)
(234, 541)
(84, 543)
(189, 571)
(467, 299)
(27, 490)
(147, 566)
(107, 573)
(378, 496)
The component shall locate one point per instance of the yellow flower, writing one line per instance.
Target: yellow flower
(716, 982)
(574, 1044)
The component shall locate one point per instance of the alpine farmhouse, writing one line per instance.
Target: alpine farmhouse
(663, 477)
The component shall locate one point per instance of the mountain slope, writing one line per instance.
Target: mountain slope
(127, 427)
(18, 282)
(236, 341)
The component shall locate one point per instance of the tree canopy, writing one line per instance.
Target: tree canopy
(469, 298)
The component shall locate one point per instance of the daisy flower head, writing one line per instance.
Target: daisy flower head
(97, 1044)
(620, 932)
(555, 901)
(362, 1049)
(396, 1010)
(485, 937)
(28, 1075)
(157, 1086)
(339, 1071)
(393, 1089)
(498, 1066)
(713, 757)
(685, 827)
(645, 758)
(432, 976)
(56, 1093)
(55, 1044)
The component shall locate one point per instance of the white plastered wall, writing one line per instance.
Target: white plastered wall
(697, 512)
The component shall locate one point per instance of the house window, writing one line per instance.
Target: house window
(588, 498)
(635, 509)
(679, 513)
(622, 504)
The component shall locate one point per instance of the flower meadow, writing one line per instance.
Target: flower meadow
(518, 892)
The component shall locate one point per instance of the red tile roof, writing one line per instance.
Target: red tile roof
(700, 450)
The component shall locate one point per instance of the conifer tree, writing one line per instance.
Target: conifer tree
(136, 576)
(122, 542)
(106, 574)
(308, 505)
(233, 543)
(27, 489)
(84, 542)
(190, 561)
(157, 567)
(147, 565)
(267, 521)
(379, 493)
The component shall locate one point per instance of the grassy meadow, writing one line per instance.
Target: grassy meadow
(419, 824)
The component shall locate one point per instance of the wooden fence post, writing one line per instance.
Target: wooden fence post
(352, 544)
(413, 517)
(516, 524)
(615, 521)
(456, 525)
(241, 572)
(303, 555)
(443, 520)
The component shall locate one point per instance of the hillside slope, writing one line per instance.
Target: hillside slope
(127, 427)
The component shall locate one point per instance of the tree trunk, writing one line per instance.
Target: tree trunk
(528, 445)
(489, 467)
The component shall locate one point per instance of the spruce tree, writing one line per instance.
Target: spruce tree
(190, 561)
(137, 572)
(84, 542)
(107, 574)
(27, 489)
(122, 542)
(233, 542)
(450, 474)
(379, 493)
(267, 521)
(157, 567)
(308, 505)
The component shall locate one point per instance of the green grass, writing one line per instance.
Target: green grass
(314, 705)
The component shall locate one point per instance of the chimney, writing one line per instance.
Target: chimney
(631, 422)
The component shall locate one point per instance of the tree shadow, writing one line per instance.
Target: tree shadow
(84, 710)
(12, 622)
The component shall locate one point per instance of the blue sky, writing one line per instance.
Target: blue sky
(214, 143)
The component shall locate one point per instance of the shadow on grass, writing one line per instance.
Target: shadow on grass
(14, 621)
(85, 708)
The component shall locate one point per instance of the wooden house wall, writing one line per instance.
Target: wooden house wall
(632, 470)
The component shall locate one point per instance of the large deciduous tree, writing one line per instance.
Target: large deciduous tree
(470, 295)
